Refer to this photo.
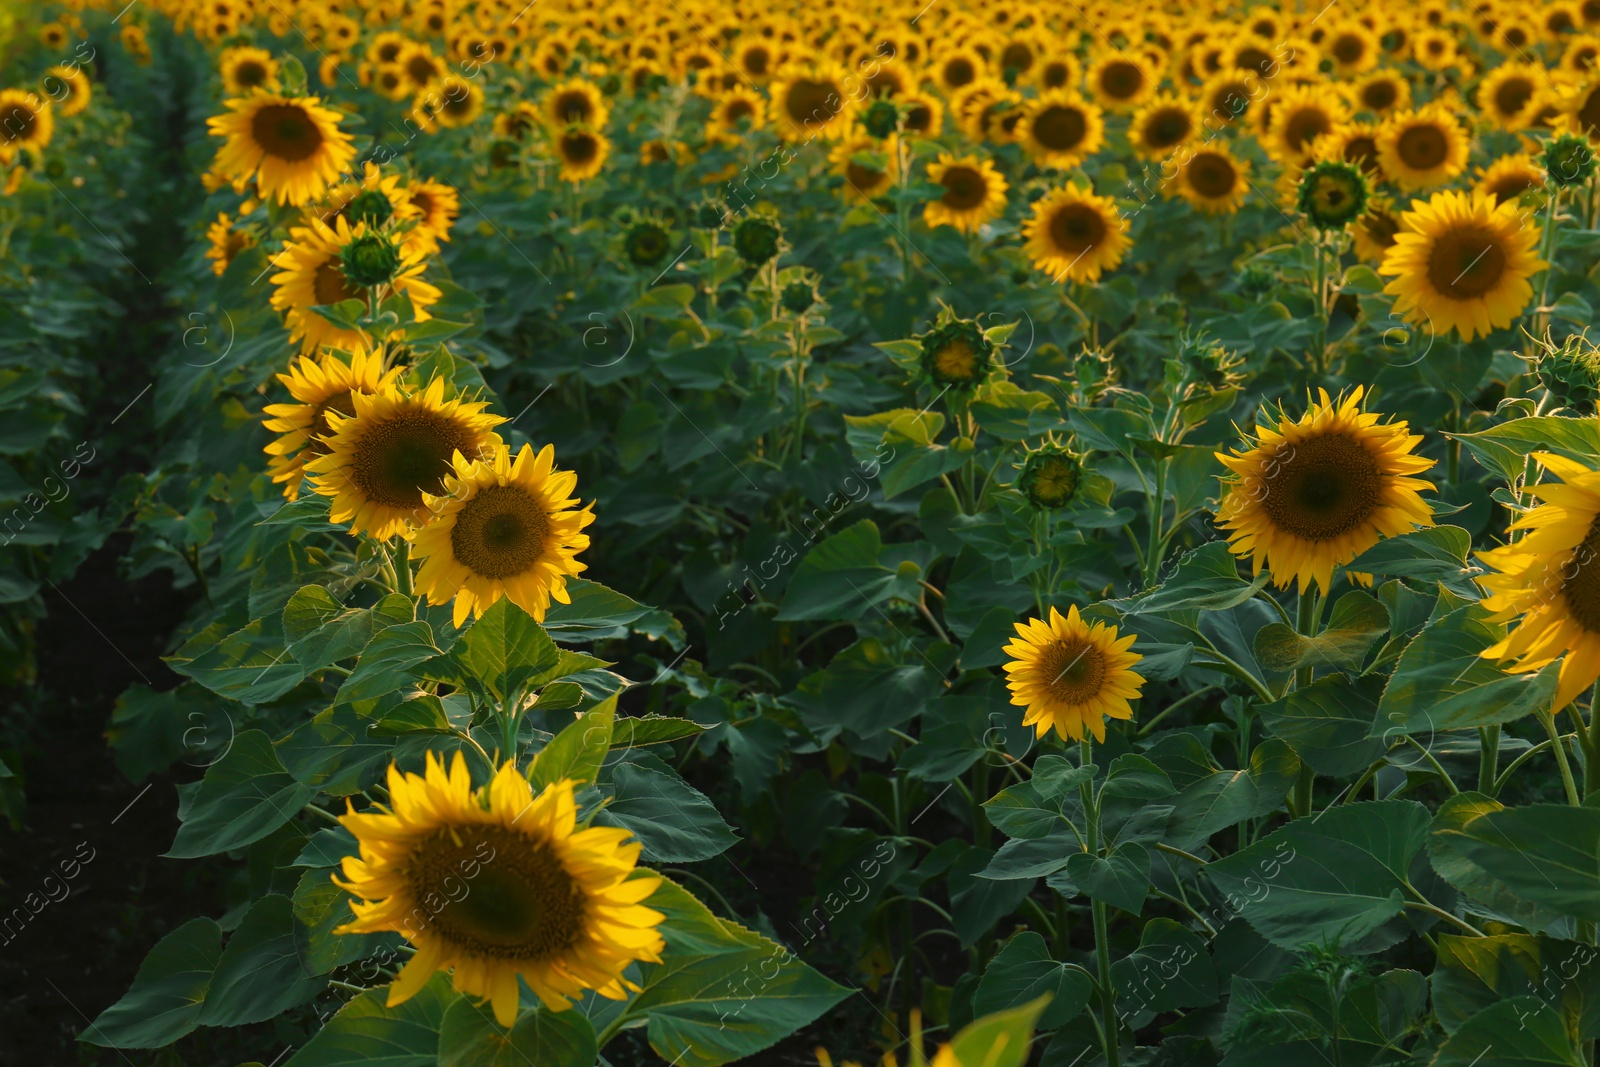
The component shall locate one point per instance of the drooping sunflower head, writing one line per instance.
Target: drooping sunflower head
(547, 901)
(974, 193)
(1423, 148)
(395, 448)
(1071, 675)
(318, 385)
(246, 69)
(292, 146)
(957, 355)
(1051, 476)
(757, 239)
(881, 118)
(1075, 234)
(1332, 194)
(1549, 580)
(1309, 495)
(1061, 129)
(505, 527)
(370, 259)
(1462, 262)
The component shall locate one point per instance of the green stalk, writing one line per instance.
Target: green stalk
(1319, 301)
(1560, 746)
(1591, 750)
(1306, 613)
(1488, 757)
(1547, 253)
(1102, 942)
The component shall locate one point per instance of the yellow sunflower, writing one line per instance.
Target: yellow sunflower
(227, 240)
(576, 103)
(810, 101)
(922, 114)
(393, 449)
(1422, 148)
(291, 145)
(1070, 675)
(1549, 579)
(25, 122)
(1120, 81)
(1381, 92)
(318, 385)
(503, 528)
(1583, 111)
(1211, 179)
(439, 206)
(974, 193)
(1305, 113)
(69, 88)
(456, 102)
(1353, 48)
(734, 113)
(1312, 495)
(1505, 93)
(314, 274)
(1373, 233)
(1463, 262)
(1061, 129)
(376, 200)
(868, 166)
(1163, 125)
(958, 68)
(1075, 234)
(246, 69)
(582, 153)
(1508, 177)
(558, 906)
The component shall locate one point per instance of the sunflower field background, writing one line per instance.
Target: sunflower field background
(966, 532)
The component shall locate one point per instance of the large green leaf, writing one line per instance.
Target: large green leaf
(322, 631)
(595, 613)
(321, 907)
(259, 975)
(1329, 723)
(1489, 895)
(168, 993)
(251, 664)
(1442, 681)
(843, 577)
(386, 662)
(1505, 448)
(506, 651)
(674, 820)
(1548, 854)
(1170, 969)
(578, 750)
(1474, 973)
(1522, 1032)
(470, 1037)
(365, 1033)
(1207, 579)
(1121, 879)
(1434, 554)
(867, 689)
(1022, 971)
(1358, 622)
(1226, 798)
(245, 796)
(1336, 880)
(722, 992)
(976, 902)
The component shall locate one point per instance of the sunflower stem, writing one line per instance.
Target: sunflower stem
(1319, 303)
(1558, 743)
(1547, 253)
(402, 567)
(1488, 757)
(1591, 749)
(1102, 944)
(1307, 611)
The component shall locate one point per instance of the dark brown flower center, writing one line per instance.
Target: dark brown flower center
(958, 72)
(573, 106)
(500, 532)
(1304, 126)
(1060, 128)
(811, 102)
(406, 455)
(1121, 80)
(1581, 586)
(1466, 263)
(1379, 95)
(340, 402)
(1512, 95)
(1168, 127)
(1321, 488)
(964, 188)
(1076, 671)
(1212, 176)
(330, 287)
(285, 131)
(1077, 228)
(1422, 147)
(579, 148)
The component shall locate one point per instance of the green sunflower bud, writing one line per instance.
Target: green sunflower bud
(369, 260)
(1332, 194)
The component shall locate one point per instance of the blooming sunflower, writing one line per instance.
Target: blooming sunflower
(1305, 113)
(733, 113)
(559, 906)
(810, 101)
(1505, 93)
(375, 200)
(440, 206)
(1061, 129)
(923, 114)
(394, 448)
(1212, 180)
(69, 88)
(504, 528)
(1072, 675)
(25, 122)
(1312, 495)
(1162, 125)
(246, 69)
(974, 193)
(1075, 234)
(291, 145)
(318, 385)
(1374, 232)
(454, 103)
(315, 274)
(1120, 81)
(576, 103)
(1550, 580)
(1381, 92)
(227, 240)
(868, 166)
(1463, 262)
(1508, 177)
(582, 153)
(1422, 148)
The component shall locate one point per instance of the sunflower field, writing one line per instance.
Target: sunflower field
(977, 533)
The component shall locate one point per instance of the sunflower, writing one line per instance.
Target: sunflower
(1061, 129)
(1434, 50)
(386, 48)
(246, 69)
(1070, 675)
(318, 385)
(1505, 93)
(1508, 177)
(375, 200)
(1581, 54)
(558, 906)
(1583, 111)
(575, 103)
(1058, 71)
(1211, 179)
(1305, 113)
(394, 448)
(227, 240)
(734, 113)
(315, 274)
(756, 59)
(1162, 126)
(518, 121)
(68, 88)
(291, 145)
(1332, 193)
(867, 165)
(1381, 92)
(957, 355)
(1463, 262)
(958, 68)
(503, 528)
(25, 122)
(454, 102)
(420, 67)
(1353, 48)
(1549, 580)
(1120, 81)
(1422, 148)
(1075, 234)
(810, 101)
(974, 193)
(1373, 233)
(922, 114)
(582, 153)
(1312, 495)
(439, 205)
